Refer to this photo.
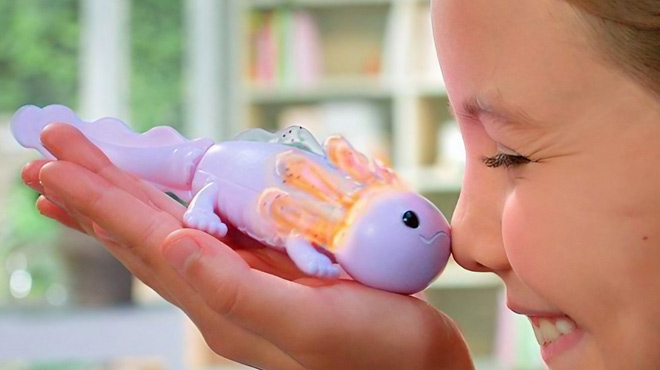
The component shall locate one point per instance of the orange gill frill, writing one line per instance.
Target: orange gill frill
(298, 214)
(356, 165)
(318, 201)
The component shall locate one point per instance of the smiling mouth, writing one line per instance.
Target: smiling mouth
(432, 238)
(548, 329)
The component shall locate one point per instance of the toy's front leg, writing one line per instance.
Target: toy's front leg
(201, 212)
(309, 260)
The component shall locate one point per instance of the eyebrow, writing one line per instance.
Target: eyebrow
(495, 106)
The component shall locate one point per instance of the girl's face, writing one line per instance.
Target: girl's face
(571, 222)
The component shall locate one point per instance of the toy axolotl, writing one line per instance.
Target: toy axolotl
(328, 207)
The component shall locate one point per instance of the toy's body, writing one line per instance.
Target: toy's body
(319, 204)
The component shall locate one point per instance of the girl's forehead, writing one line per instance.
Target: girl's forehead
(529, 61)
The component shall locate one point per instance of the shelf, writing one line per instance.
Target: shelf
(433, 179)
(340, 88)
(271, 4)
(91, 334)
(334, 88)
(455, 277)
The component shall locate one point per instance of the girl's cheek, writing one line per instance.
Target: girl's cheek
(519, 237)
(527, 242)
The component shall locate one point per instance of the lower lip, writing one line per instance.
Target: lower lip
(564, 343)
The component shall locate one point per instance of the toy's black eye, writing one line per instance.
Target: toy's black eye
(410, 219)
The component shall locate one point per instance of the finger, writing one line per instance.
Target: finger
(140, 230)
(117, 211)
(84, 225)
(261, 257)
(272, 262)
(67, 143)
(57, 213)
(55, 209)
(257, 301)
(137, 267)
(30, 174)
(119, 218)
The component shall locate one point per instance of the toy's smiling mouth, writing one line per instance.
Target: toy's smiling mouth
(433, 238)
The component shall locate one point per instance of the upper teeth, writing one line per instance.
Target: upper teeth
(548, 330)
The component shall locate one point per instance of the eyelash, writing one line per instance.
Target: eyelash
(506, 160)
(499, 159)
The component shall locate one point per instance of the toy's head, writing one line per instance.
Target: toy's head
(381, 234)
(397, 241)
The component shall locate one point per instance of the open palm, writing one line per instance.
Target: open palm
(251, 303)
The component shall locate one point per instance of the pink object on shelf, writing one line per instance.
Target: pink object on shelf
(266, 52)
(307, 49)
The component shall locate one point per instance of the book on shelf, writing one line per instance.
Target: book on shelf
(409, 51)
(285, 48)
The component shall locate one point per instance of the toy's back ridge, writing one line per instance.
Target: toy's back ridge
(161, 155)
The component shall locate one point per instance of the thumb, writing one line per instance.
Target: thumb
(255, 300)
(204, 261)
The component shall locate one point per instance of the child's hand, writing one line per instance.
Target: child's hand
(250, 303)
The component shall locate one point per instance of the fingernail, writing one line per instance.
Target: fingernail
(48, 193)
(181, 253)
(36, 185)
(102, 234)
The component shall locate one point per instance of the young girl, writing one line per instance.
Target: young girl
(558, 106)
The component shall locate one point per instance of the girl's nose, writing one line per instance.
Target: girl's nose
(477, 221)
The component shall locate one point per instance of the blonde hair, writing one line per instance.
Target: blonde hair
(627, 35)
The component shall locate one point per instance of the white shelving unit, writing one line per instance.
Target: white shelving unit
(391, 37)
(146, 337)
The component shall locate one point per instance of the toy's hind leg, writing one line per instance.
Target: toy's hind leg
(309, 260)
(201, 213)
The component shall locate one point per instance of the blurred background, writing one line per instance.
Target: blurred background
(366, 69)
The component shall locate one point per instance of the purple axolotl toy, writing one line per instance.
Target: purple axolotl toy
(325, 206)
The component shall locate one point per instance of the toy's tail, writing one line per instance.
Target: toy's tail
(161, 155)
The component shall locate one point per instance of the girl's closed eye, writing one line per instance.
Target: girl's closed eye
(504, 159)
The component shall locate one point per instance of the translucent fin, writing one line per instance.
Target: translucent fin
(315, 221)
(161, 155)
(355, 164)
(294, 136)
(385, 173)
(28, 122)
(322, 183)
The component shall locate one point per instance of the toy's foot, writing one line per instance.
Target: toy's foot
(309, 260)
(207, 222)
